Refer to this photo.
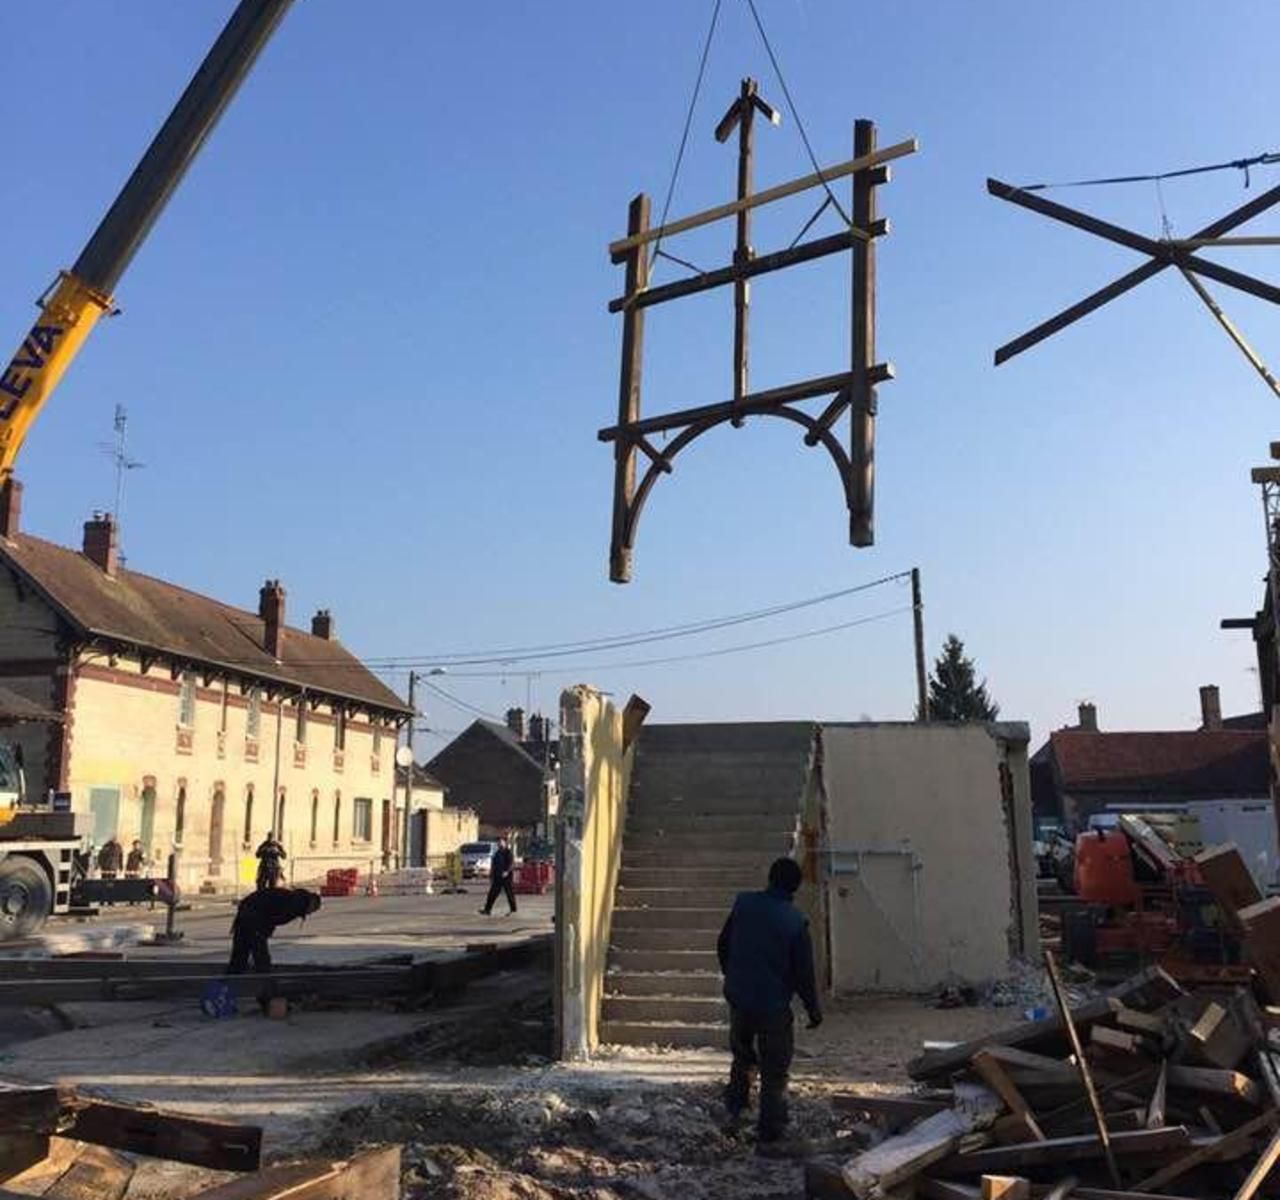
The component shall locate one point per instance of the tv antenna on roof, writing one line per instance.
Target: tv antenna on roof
(115, 450)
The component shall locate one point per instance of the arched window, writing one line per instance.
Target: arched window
(217, 816)
(247, 840)
(315, 815)
(337, 817)
(280, 815)
(180, 812)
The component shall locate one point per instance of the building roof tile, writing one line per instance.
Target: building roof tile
(140, 610)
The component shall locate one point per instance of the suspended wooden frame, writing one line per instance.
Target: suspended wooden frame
(1173, 252)
(853, 389)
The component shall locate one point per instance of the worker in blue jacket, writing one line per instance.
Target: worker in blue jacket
(766, 957)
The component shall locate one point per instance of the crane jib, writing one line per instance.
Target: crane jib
(16, 382)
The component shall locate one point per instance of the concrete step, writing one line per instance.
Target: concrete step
(638, 1033)
(771, 784)
(683, 1010)
(682, 878)
(663, 983)
(749, 868)
(668, 918)
(664, 939)
(696, 804)
(688, 896)
(710, 825)
(758, 737)
(676, 841)
(629, 961)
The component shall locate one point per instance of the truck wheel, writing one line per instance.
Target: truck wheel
(25, 897)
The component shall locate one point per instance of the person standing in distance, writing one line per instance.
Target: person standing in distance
(501, 866)
(766, 957)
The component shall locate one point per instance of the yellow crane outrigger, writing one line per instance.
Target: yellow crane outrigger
(71, 307)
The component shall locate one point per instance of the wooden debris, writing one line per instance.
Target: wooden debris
(1227, 877)
(370, 1175)
(1155, 1110)
(997, 1079)
(1005, 1187)
(95, 1174)
(1056, 1151)
(1211, 1081)
(196, 1140)
(1261, 924)
(1261, 1169)
(1221, 1147)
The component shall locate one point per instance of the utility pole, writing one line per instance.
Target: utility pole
(917, 619)
(408, 771)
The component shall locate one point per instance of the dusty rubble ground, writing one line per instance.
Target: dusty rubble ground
(643, 1122)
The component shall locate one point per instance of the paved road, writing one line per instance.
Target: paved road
(345, 928)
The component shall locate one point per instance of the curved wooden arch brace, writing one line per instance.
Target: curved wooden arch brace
(815, 433)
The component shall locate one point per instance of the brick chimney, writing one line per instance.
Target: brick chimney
(10, 508)
(515, 722)
(1210, 707)
(1088, 717)
(271, 610)
(322, 625)
(101, 545)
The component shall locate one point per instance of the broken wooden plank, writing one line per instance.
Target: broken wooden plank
(1269, 1073)
(200, 1141)
(996, 1078)
(1213, 1081)
(1226, 1145)
(369, 1175)
(1229, 879)
(95, 1174)
(1065, 1150)
(879, 1169)
(1149, 988)
(1261, 1169)
(893, 1110)
(1062, 1189)
(1261, 924)
(1005, 1187)
(30, 1110)
(1117, 1041)
(1155, 1110)
(1138, 1022)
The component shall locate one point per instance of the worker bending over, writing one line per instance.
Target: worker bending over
(258, 916)
(766, 958)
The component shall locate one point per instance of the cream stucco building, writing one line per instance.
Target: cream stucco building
(189, 723)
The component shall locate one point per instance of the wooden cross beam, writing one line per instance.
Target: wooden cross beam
(1163, 254)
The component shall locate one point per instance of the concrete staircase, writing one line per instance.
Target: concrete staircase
(711, 806)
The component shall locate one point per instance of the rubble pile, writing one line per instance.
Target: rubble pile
(1173, 1095)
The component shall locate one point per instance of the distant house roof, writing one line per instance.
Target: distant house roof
(14, 708)
(1220, 762)
(143, 611)
(487, 769)
(505, 734)
(422, 778)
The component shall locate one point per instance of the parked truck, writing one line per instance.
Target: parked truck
(38, 849)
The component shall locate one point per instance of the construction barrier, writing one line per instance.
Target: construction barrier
(534, 878)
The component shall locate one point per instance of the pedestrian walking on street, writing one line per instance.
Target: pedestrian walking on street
(258, 916)
(501, 867)
(766, 957)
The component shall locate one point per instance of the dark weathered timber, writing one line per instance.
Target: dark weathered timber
(1225, 1146)
(1125, 283)
(862, 391)
(996, 1159)
(895, 1111)
(997, 1079)
(199, 1141)
(1082, 1065)
(18, 1151)
(370, 1175)
(742, 252)
(1155, 1109)
(1164, 252)
(624, 471)
(30, 1110)
(757, 402)
(763, 264)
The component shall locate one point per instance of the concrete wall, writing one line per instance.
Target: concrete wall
(594, 779)
(125, 735)
(931, 875)
(449, 828)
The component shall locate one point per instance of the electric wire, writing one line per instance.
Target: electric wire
(1236, 164)
(688, 123)
(795, 114)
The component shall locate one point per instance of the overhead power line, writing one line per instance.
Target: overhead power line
(1235, 164)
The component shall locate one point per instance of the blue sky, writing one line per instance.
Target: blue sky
(366, 348)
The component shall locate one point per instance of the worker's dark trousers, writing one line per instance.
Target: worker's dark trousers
(496, 888)
(767, 1042)
(248, 942)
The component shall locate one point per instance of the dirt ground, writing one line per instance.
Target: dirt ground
(644, 1122)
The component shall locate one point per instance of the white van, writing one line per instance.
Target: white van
(476, 858)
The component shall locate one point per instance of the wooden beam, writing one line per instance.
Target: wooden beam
(370, 1175)
(761, 265)
(1155, 1110)
(862, 391)
(95, 1174)
(756, 402)
(1082, 1065)
(200, 1141)
(1261, 923)
(1005, 1187)
(1212, 1081)
(1198, 243)
(1231, 329)
(1065, 1150)
(1261, 1169)
(1161, 251)
(1229, 1143)
(1139, 1022)
(1229, 879)
(901, 1110)
(618, 249)
(1125, 283)
(997, 1079)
